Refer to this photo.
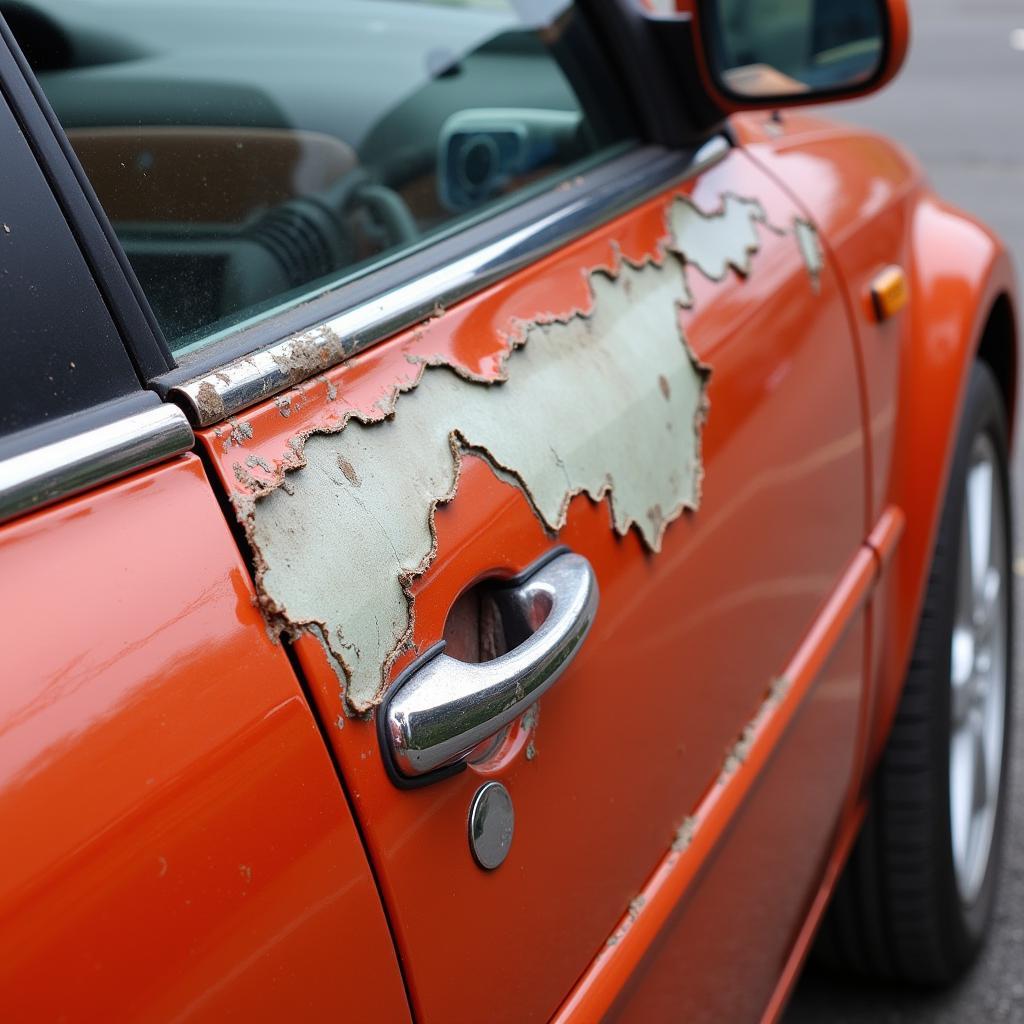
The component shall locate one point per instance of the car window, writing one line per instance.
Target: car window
(250, 153)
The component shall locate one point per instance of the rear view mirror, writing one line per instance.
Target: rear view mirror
(796, 51)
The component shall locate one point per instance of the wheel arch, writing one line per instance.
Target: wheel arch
(998, 349)
(962, 308)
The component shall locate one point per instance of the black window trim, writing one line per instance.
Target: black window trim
(114, 276)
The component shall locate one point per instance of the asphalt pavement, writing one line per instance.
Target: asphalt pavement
(959, 106)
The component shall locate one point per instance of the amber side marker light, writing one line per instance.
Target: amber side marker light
(888, 293)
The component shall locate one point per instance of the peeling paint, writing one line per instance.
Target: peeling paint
(257, 462)
(529, 723)
(740, 750)
(684, 834)
(331, 389)
(687, 831)
(240, 432)
(809, 244)
(715, 242)
(364, 505)
(339, 540)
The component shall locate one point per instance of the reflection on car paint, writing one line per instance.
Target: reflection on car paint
(810, 249)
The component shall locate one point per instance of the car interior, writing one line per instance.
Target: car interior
(249, 154)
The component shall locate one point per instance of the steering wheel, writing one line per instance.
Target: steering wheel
(314, 236)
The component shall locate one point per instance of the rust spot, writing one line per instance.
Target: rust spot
(666, 390)
(256, 462)
(211, 407)
(241, 431)
(309, 354)
(349, 470)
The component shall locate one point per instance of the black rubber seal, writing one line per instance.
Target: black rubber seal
(534, 567)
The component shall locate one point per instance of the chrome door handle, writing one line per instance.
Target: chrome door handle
(444, 708)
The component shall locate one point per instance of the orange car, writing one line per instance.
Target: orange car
(499, 522)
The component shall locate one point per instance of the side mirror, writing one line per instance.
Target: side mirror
(772, 53)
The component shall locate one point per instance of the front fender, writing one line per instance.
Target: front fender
(873, 208)
(959, 273)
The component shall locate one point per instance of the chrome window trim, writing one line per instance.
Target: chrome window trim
(52, 472)
(240, 383)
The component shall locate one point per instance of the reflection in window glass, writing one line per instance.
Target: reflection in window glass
(251, 152)
(787, 47)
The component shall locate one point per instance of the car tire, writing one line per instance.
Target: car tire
(916, 897)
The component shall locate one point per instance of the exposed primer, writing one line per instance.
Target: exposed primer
(722, 240)
(809, 244)
(338, 544)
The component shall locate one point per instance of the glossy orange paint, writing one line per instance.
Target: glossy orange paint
(176, 843)
(629, 742)
(651, 971)
(874, 208)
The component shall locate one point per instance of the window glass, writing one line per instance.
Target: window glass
(252, 152)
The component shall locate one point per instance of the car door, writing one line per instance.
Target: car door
(704, 611)
(635, 354)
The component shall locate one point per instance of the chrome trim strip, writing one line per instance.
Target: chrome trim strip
(262, 374)
(59, 470)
